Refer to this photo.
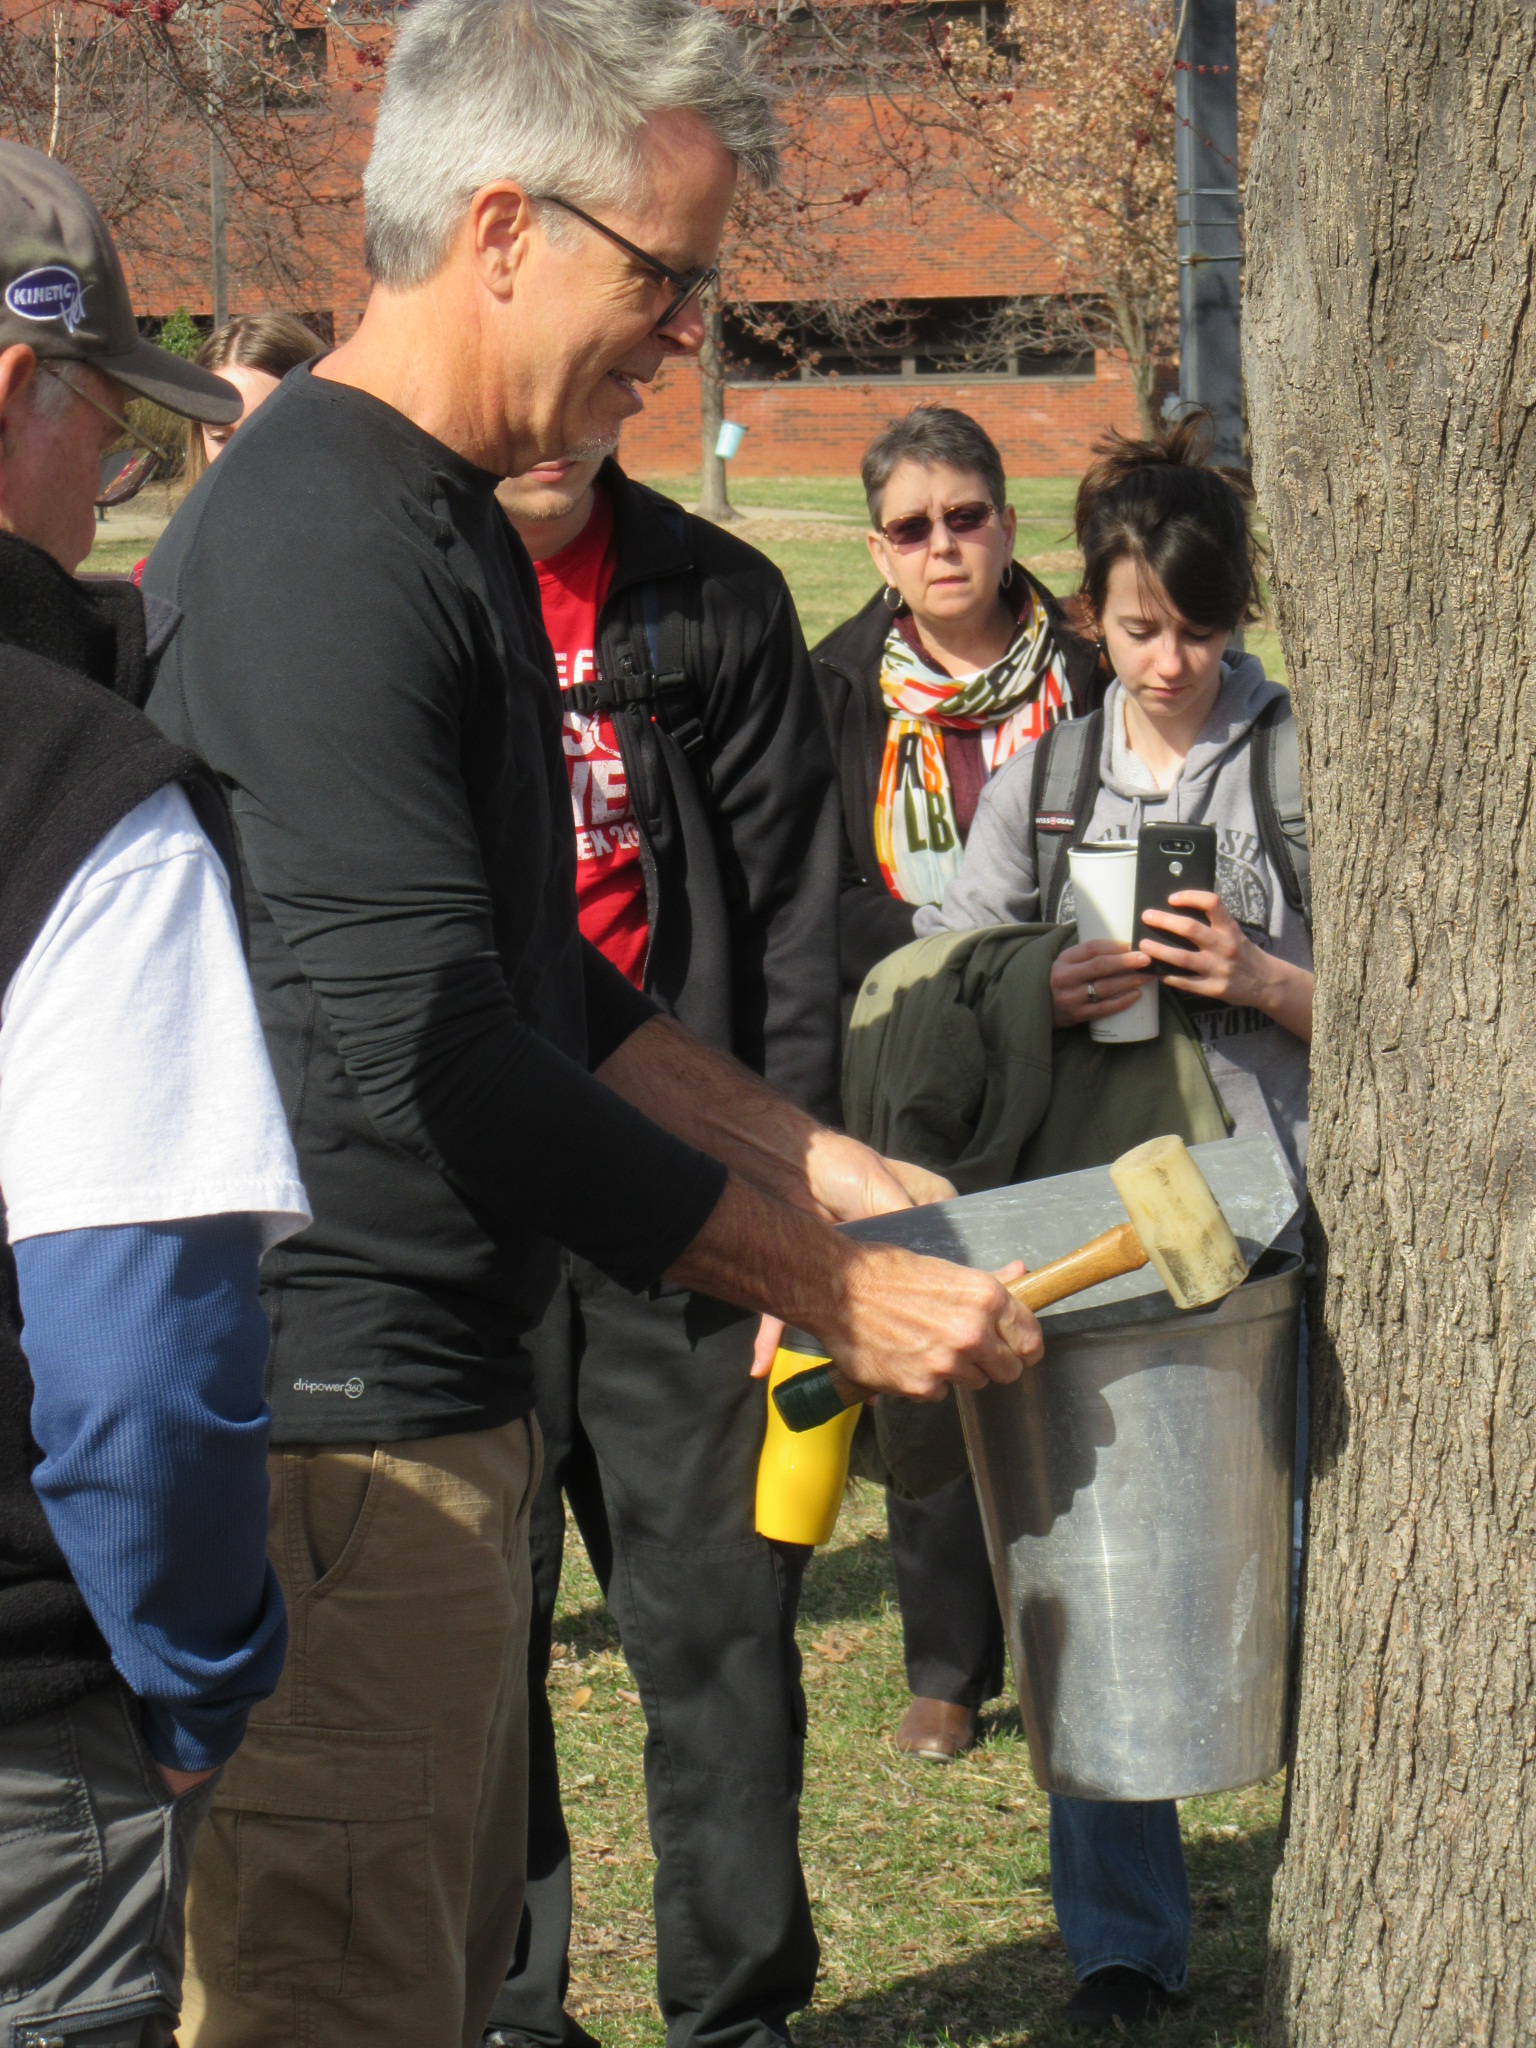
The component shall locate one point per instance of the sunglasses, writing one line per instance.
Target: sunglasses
(124, 471)
(689, 286)
(916, 530)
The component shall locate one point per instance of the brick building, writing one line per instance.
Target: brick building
(930, 263)
(934, 266)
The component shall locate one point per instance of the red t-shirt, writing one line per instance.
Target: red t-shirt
(610, 882)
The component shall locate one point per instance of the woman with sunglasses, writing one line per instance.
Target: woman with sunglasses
(958, 662)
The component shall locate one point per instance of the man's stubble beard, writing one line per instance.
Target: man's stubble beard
(597, 450)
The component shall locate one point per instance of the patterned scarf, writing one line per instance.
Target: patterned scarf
(1011, 703)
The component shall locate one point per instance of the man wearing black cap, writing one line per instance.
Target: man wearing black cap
(144, 1167)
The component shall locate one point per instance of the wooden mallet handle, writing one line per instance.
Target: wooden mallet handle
(808, 1399)
(1104, 1258)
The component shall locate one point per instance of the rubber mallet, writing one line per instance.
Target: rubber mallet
(1175, 1223)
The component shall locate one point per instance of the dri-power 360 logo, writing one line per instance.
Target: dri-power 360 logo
(53, 292)
(352, 1388)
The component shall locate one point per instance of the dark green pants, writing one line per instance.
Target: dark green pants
(652, 1429)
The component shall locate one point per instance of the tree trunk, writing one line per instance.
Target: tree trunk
(713, 501)
(218, 198)
(1132, 331)
(1391, 366)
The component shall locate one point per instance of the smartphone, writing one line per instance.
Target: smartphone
(1169, 858)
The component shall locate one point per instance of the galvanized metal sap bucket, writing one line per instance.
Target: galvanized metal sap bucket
(1136, 1491)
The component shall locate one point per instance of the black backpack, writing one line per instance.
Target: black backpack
(654, 675)
(1066, 782)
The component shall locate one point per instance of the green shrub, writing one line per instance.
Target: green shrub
(180, 334)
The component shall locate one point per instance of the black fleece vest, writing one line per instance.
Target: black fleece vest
(75, 759)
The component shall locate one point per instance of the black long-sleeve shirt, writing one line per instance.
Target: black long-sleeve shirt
(360, 661)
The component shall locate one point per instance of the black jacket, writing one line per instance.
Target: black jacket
(75, 759)
(733, 791)
(873, 922)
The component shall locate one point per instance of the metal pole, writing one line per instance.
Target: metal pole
(1210, 221)
(218, 208)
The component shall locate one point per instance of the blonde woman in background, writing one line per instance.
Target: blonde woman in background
(254, 352)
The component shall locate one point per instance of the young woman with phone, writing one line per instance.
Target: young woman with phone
(1169, 575)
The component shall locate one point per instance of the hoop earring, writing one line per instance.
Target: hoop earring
(1007, 582)
(892, 597)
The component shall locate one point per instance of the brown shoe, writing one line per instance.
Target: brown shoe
(937, 1730)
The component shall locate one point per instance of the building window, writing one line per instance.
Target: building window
(291, 69)
(981, 337)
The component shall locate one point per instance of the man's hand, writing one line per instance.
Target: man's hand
(894, 1322)
(916, 1326)
(178, 1782)
(847, 1180)
(852, 1181)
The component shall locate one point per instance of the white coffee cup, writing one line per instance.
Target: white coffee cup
(1104, 885)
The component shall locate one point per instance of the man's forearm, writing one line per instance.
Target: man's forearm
(762, 1254)
(147, 1346)
(713, 1102)
(892, 1321)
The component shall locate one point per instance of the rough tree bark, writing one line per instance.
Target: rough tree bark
(1391, 364)
(714, 502)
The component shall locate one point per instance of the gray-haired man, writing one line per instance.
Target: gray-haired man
(469, 1084)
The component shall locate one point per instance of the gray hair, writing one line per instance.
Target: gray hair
(552, 93)
(50, 397)
(931, 436)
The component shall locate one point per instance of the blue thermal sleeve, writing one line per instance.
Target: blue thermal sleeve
(148, 1349)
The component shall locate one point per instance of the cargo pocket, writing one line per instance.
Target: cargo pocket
(50, 1853)
(141, 2023)
(315, 1866)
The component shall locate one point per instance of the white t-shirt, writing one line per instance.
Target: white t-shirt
(134, 1080)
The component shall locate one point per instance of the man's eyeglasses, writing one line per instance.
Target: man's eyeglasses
(916, 530)
(124, 471)
(689, 286)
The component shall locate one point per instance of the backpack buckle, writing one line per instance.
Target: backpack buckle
(680, 719)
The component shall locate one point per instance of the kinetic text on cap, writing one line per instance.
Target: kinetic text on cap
(52, 292)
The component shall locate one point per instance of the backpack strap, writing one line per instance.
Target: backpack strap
(653, 674)
(1274, 762)
(661, 687)
(677, 701)
(1061, 798)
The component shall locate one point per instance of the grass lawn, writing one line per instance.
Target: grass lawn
(831, 574)
(931, 1885)
(113, 557)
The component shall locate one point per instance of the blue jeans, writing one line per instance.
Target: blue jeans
(1118, 1881)
(1119, 1887)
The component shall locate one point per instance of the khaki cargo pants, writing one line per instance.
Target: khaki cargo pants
(352, 1887)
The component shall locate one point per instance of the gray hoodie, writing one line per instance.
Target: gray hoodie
(1260, 1068)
